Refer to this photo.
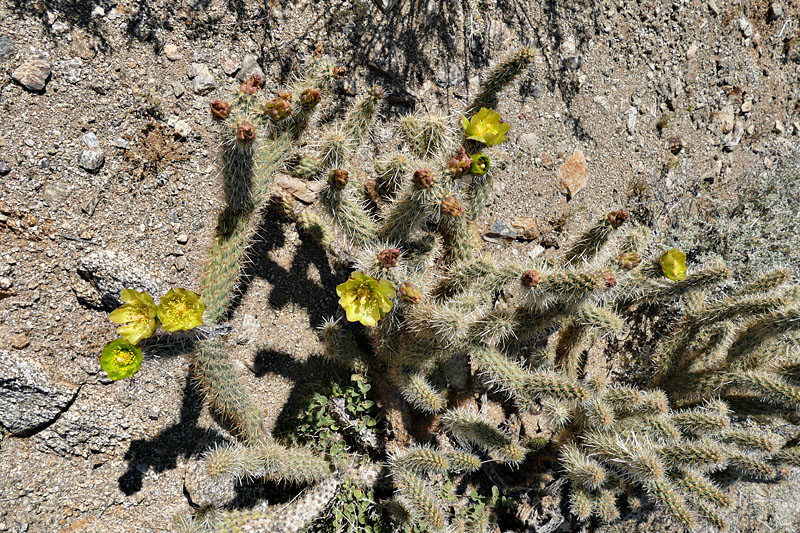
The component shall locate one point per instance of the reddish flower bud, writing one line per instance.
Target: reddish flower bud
(338, 72)
(423, 179)
(617, 218)
(252, 85)
(460, 163)
(409, 292)
(220, 108)
(452, 206)
(388, 257)
(531, 278)
(309, 98)
(609, 278)
(279, 107)
(629, 261)
(245, 132)
(338, 178)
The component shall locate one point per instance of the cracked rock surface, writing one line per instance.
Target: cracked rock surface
(29, 398)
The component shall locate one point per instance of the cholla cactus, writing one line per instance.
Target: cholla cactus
(459, 322)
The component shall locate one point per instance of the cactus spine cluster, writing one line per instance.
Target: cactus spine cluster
(462, 322)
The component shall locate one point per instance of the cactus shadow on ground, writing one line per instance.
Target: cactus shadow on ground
(161, 453)
(292, 285)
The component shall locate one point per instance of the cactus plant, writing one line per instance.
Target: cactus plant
(441, 321)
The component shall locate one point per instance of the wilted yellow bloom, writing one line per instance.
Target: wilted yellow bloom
(120, 359)
(138, 314)
(180, 309)
(486, 127)
(673, 264)
(365, 299)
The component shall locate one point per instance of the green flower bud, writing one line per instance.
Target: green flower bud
(309, 98)
(480, 164)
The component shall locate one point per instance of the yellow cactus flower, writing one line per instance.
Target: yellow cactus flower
(673, 264)
(180, 309)
(365, 299)
(120, 359)
(486, 127)
(138, 315)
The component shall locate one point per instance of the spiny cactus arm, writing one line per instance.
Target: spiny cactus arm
(581, 504)
(623, 399)
(569, 348)
(666, 497)
(597, 414)
(478, 195)
(634, 457)
(407, 213)
(469, 426)
(225, 393)
(562, 289)
(700, 421)
(768, 387)
(585, 472)
(339, 197)
(495, 326)
(418, 496)
(442, 325)
(459, 461)
(708, 512)
(659, 427)
(749, 440)
(393, 173)
(767, 282)
(360, 118)
(418, 391)
(502, 372)
(500, 76)
(546, 384)
(657, 291)
(427, 135)
(223, 268)
(267, 459)
(700, 487)
(600, 318)
(558, 413)
(605, 506)
(788, 456)
(591, 242)
(292, 518)
(765, 329)
(459, 277)
(752, 466)
(309, 223)
(460, 235)
(702, 454)
(420, 460)
(340, 346)
(532, 325)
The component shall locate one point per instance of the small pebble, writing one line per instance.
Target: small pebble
(33, 74)
(182, 238)
(19, 341)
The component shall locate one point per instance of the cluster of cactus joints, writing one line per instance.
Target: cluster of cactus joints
(257, 137)
(455, 313)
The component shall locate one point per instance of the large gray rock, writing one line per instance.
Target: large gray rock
(249, 67)
(202, 80)
(29, 398)
(104, 274)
